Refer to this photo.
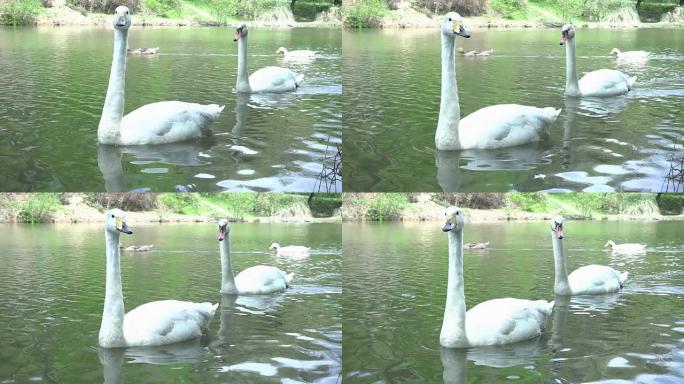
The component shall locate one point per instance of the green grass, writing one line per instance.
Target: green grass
(20, 12)
(586, 204)
(365, 14)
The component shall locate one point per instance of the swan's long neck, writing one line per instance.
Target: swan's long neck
(571, 84)
(227, 279)
(242, 84)
(561, 286)
(112, 112)
(453, 332)
(111, 329)
(449, 109)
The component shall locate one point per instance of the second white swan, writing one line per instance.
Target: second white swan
(493, 322)
(157, 123)
(496, 126)
(256, 280)
(587, 280)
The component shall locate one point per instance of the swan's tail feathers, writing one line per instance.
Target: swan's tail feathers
(546, 306)
(550, 114)
(623, 278)
(289, 277)
(299, 79)
(630, 82)
(213, 110)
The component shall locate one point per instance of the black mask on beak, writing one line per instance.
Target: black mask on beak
(462, 32)
(222, 233)
(448, 226)
(559, 231)
(125, 229)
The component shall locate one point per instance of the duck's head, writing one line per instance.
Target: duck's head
(557, 226)
(452, 25)
(615, 52)
(122, 18)
(240, 32)
(223, 229)
(274, 246)
(282, 51)
(115, 221)
(567, 33)
(454, 219)
(609, 243)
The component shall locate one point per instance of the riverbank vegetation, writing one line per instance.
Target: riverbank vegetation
(172, 12)
(422, 13)
(512, 206)
(88, 207)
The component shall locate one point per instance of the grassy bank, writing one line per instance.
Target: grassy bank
(161, 207)
(513, 206)
(173, 12)
(515, 13)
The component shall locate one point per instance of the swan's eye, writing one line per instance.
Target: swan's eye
(450, 19)
(457, 213)
(112, 216)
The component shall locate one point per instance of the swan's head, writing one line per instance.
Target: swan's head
(610, 243)
(240, 32)
(223, 229)
(557, 226)
(615, 52)
(454, 219)
(122, 17)
(453, 25)
(282, 51)
(567, 33)
(115, 221)
(274, 246)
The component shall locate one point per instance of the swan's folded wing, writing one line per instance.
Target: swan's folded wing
(507, 320)
(594, 279)
(273, 79)
(261, 279)
(505, 125)
(166, 322)
(604, 82)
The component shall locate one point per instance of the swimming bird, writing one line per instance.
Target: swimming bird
(627, 248)
(290, 250)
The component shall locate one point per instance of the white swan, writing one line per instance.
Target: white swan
(144, 51)
(630, 55)
(493, 322)
(267, 79)
(137, 248)
(298, 55)
(290, 250)
(256, 280)
(626, 249)
(587, 280)
(157, 123)
(600, 83)
(156, 323)
(497, 126)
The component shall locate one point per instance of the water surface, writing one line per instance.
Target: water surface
(54, 82)
(394, 283)
(391, 97)
(52, 292)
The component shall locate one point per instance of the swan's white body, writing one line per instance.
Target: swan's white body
(493, 322)
(298, 55)
(256, 280)
(630, 55)
(267, 79)
(158, 123)
(290, 250)
(627, 248)
(156, 323)
(496, 126)
(587, 280)
(144, 51)
(599, 83)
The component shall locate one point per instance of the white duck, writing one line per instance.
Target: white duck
(137, 248)
(587, 280)
(476, 245)
(600, 83)
(256, 280)
(493, 322)
(626, 249)
(496, 126)
(157, 123)
(156, 323)
(630, 55)
(290, 250)
(298, 55)
(267, 79)
(144, 51)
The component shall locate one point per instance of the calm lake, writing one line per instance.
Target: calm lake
(52, 293)
(394, 283)
(54, 80)
(615, 144)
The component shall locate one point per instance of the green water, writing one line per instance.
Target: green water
(391, 97)
(52, 284)
(394, 284)
(54, 81)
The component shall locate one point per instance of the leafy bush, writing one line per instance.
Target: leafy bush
(600, 10)
(529, 202)
(128, 201)
(182, 203)
(105, 6)
(223, 9)
(164, 8)
(325, 204)
(387, 206)
(671, 203)
(569, 9)
(38, 208)
(20, 12)
(367, 14)
(509, 9)
(463, 7)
